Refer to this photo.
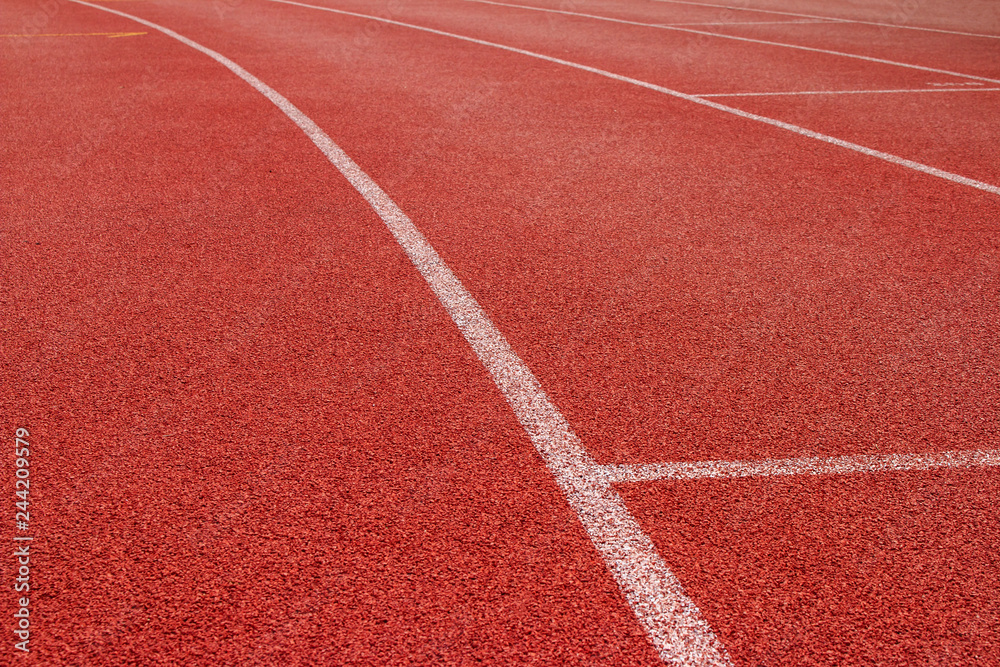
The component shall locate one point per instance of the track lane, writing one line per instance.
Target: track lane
(951, 52)
(954, 131)
(699, 66)
(933, 16)
(893, 569)
(708, 33)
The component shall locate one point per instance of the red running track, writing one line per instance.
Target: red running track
(258, 438)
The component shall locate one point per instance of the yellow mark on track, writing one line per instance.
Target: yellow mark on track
(80, 34)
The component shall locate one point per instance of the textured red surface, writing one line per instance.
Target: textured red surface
(259, 439)
(898, 570)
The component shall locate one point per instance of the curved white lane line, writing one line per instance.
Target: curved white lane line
(672, 621)
(840, 465)
(871, 152)
(853, 92)
(667, 26)
(831, 18)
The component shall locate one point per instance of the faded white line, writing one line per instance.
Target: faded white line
(841, 465)
(672, 621)
(871, 152)
(803, 22)
(831, 18)
(854, 92)
(751, 40)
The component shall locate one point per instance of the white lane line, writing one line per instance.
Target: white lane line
(803, 22)
(854, 92)
(830, 18)
(737, 38)
(841, 465)
(871, 152)
(672, 621)
(79, 34)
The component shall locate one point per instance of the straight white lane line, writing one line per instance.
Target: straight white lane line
(841, 465)
(854, 92)
(666, 26)
(871, 152)
(672, 621)
(802, 22)
(830, 18)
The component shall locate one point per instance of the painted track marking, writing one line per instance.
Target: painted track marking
(871, 152)
(853, 92)
(672, 621)
(81, 34)
(801, 22)
(666, 26)
(840, 465)
(831, 18)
